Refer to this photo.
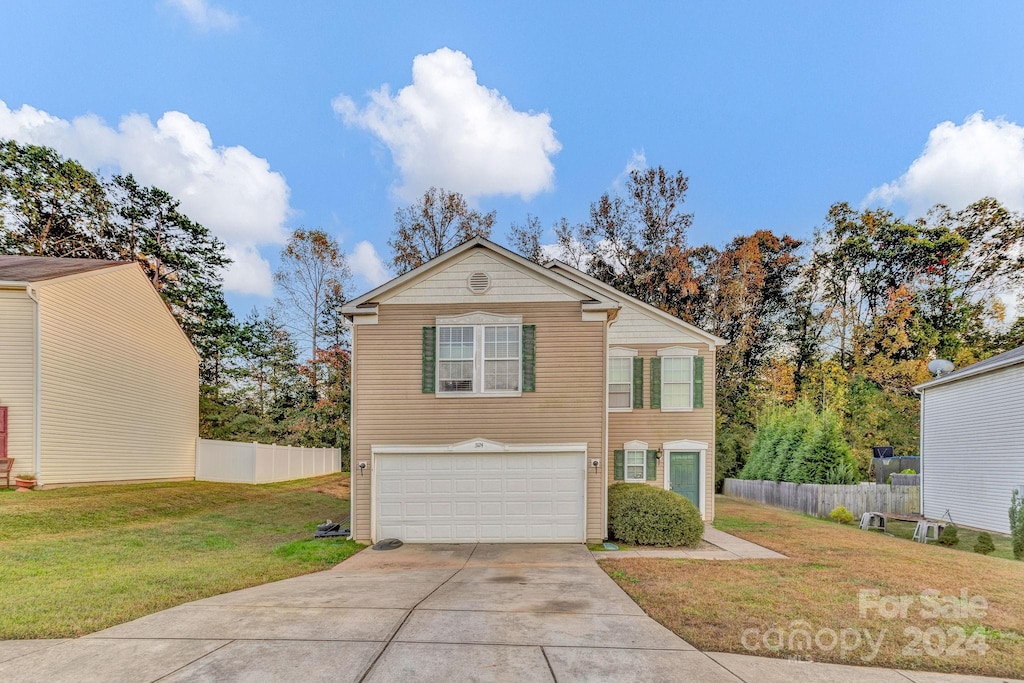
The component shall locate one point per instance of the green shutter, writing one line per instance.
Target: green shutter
(620, 465)
(656, 383)
(698, 382)
(638, 382)
(652, 465)
(529, 358)
(429, 359)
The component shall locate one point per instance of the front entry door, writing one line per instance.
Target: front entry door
(684, 475)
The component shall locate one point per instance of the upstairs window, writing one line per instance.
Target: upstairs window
(676, 383)
(480, 358)
(620, 383)
(456, 358)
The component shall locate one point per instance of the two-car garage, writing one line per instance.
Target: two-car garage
(480, 491)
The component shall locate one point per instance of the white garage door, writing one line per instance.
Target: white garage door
(492, 498)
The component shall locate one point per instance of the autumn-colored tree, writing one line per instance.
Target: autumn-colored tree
(313, 275)
(432, 225)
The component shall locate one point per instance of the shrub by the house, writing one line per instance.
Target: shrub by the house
(1017, 525)
(949, 537)
(984, 544)
(646, 515)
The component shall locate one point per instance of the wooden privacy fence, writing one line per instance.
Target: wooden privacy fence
(257, 463)
(820, 499)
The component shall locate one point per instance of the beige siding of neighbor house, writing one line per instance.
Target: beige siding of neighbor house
(119, 382)
(567, 406)
(655, 427)
(17, 375)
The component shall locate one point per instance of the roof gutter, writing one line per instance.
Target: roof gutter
(968, 372)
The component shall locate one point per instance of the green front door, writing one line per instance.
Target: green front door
(684, 475)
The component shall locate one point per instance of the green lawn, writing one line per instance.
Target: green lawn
(76, 560)
(968, 537)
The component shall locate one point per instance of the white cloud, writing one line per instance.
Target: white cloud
(637, 162)
(228, 189)
(961, 164)
(366, 263)
(448, 130)
(205, 16)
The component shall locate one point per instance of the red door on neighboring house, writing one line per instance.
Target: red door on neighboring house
(3, 431)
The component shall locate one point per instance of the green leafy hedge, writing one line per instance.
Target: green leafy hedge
(646, 515)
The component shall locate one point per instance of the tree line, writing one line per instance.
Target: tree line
(842, 323)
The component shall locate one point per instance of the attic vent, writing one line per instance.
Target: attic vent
(479, 282)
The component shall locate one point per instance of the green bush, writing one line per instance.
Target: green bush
(949, 537)
(841, 515)
(984, 544)
(1017, 525)
(647, 515)
(823, 452)
(908, 471)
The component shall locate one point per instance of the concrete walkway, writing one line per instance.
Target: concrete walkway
(728, 547)
(425, 613)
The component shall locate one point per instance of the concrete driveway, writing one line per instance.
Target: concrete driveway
(425, 613)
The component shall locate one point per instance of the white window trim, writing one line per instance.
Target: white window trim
(620, 352)
(486, 320)
(677, 352)
(684, 445)
(625, 465)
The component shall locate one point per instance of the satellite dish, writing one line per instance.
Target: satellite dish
(940, 367)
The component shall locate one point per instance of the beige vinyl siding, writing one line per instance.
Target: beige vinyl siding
(972, 448)
(633, 325)
(119, 382)
(567, 407)
(17, 375)
(509, 283)
(655, 427)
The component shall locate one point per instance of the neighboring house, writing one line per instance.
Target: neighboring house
(972, 442)
(495, 400)
(99, 382)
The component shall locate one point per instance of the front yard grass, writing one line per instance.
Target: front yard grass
(770, 604)
(77, 560)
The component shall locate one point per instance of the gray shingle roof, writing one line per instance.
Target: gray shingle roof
(38, 268)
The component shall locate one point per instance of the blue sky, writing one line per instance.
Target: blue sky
(774, 110)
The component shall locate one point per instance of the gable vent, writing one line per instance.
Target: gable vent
(479, 283)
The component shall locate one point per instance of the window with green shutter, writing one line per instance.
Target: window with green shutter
(529, 358)
(698, 382)
(656, 383)
(638, 382)
(652, 465)
(429, 359)
(620, 465)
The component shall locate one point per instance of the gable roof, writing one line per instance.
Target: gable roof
(1002, 360)
(591, 298)
(594, 294)
(645, 307)
(40, 268)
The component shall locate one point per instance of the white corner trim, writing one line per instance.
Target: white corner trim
(684, 445)
(635, 446)
(479, 318)
(621, 352)
(478, 445)
(677, 351)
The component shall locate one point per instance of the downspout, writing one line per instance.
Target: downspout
(33, 294)
(920, 452)
(612, 315)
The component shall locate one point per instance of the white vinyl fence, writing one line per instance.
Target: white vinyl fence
(257, 463)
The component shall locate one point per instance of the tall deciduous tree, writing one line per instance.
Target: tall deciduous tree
(435, 223)
(313, 275)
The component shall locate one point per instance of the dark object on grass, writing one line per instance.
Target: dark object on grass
(949, 537)
(984, 544)
(330, 529)
(387, 544)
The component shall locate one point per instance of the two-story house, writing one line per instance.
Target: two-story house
(495, 400)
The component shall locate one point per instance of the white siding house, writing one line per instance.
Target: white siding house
(972, 442)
